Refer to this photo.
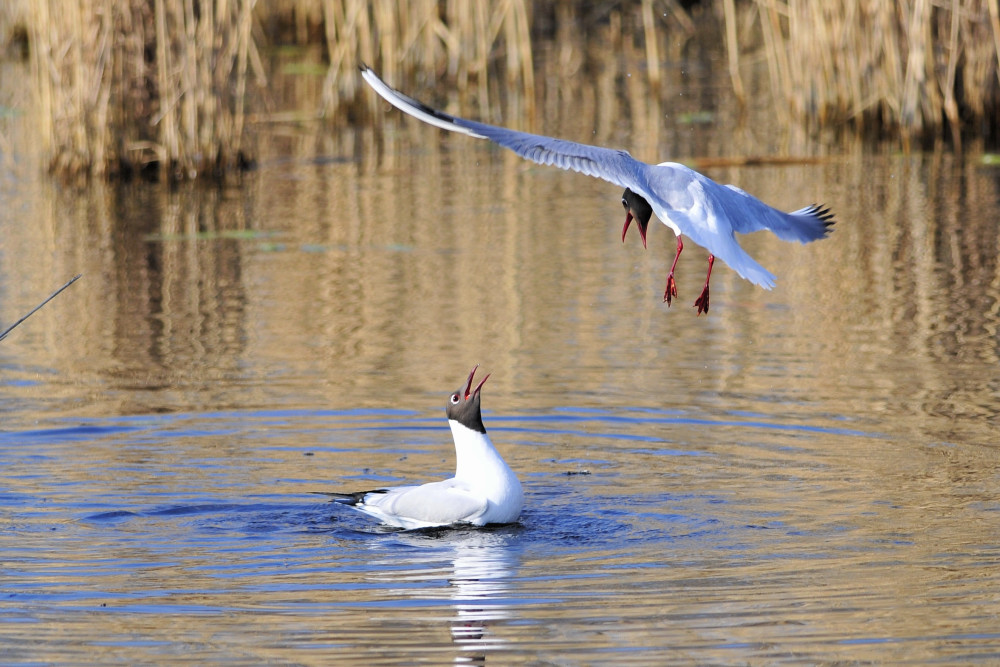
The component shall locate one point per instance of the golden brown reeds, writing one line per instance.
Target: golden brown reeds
(125, 84)
(12, 26)
(459, 39)
(912, 67)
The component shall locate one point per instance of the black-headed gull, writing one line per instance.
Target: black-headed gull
(35, 309)
(483, 491)
(687, 202)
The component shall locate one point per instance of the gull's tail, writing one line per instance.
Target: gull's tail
(356, 498)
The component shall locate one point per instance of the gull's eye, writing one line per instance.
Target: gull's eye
(454, 399)
(624, 203)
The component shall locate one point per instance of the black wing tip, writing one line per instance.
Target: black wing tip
(356, 498)
(822, 213)
(430, 111)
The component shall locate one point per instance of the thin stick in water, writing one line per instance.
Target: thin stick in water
(51, 296)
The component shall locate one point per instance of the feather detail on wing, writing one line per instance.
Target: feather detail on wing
(749, 214)
(702, 210)
(436, 504)
(725, 247)
(614, 166)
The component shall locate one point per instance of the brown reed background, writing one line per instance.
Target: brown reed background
(126, 85)
(905, 69)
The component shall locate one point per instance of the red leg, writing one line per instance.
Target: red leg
(701, 303)
(671, 290)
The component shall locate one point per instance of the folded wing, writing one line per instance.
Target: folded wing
(435, 504)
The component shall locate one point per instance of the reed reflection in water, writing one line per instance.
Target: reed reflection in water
(806, 474)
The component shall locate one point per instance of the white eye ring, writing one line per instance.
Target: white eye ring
(454, 399)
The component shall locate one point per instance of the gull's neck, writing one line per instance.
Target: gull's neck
(477, 460)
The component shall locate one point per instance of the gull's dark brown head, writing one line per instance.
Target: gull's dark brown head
(638, 208)
(463, 405)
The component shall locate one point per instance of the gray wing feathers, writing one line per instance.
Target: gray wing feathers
(749, 214)
(703, 211)
(415, 108)
(725, 247)
(615, 166)
(744, 213)
(437, 503)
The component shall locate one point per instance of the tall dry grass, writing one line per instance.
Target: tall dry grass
(457, 39)
(128, 84)
(124, 84)
(12, 25)
(912, 68)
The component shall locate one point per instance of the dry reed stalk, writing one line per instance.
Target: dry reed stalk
(518, 38)
(777, 58)
(105, 109)
(203, 57)
(995, 29)
(652, 53)
(399, 39)
(948, 86)
(13, 15)
(732, 50)
(909, 67)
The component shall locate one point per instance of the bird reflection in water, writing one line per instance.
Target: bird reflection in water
(479, 564)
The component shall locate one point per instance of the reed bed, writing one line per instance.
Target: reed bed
(12, 27)
(125, 84)
(129, 85)
(458, 39)
(908, 68)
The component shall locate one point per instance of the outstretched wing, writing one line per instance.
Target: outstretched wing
(615, 166)
(749, 214)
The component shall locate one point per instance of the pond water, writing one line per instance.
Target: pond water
(803, 475)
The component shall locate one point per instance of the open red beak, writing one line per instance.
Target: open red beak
(469, 391)
(638, 223)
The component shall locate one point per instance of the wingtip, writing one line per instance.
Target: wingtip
(823, 213)
(813, 214)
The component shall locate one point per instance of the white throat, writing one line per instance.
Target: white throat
(480, 465)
